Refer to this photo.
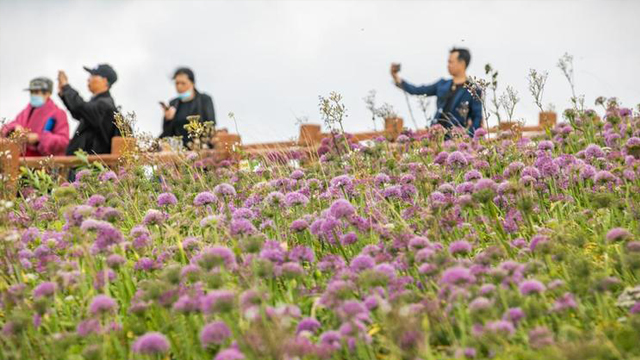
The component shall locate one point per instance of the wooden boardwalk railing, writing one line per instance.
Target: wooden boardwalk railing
(309, 139)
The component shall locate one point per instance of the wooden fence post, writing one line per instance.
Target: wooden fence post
(393, 127)
(310, 135)
(9, 164)
(120, 145)
(547, 119)
(226, 142)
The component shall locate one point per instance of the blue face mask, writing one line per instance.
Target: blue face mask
(184, 95)
(36, 100)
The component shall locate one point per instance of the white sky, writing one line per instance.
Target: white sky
(268, 61)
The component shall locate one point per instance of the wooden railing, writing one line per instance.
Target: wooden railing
(310, 137)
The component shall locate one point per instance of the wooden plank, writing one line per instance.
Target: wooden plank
(10, 165)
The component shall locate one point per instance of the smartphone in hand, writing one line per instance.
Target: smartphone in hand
(165, 107)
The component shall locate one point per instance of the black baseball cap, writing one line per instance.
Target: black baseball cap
(104, 70)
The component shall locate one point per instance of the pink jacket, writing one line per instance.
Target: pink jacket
(52, 142)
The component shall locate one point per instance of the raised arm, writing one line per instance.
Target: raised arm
(429, 90)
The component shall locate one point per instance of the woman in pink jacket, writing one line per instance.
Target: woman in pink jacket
(45, 124)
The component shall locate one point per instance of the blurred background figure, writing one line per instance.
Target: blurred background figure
(96, 116)
(456, 106)
(188, 102)
(45, 124)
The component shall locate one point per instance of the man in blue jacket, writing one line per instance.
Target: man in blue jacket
(456, 105)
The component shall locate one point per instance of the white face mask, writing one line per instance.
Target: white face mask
(37, 100)
(184, 95)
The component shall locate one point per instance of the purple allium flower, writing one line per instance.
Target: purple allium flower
(487, 289)
(154, 217)
(342, 181)
(514, 315)
(362, 262)
(566, 301)
(457, 159)
(225, 190)
(102, 304)
(635, 309)
(472, 175)
(418, 242)
(594, 151)
(299, 225)
(530, 171)
(479, 304)
(394, 191)
(107, 234)
(545, 145)
(297, 174)
(460, 247)
(331, 263)
(341, 208)
(479, 133)
(291, 270)
(441, 158)
(275, 198)
(381, 179)
(633, 246)
(167, 198)
(531, 287)
(295, 198)
(537, 240)
(151, 343)
(485, 184)
(190, 243)
(214, 333)
(204, 198)
(81, 174)
(457, 275)
(540, 337)
(44, 289)
(241, 227)
(501, 327)
(513, 169)
(108, 176)
(229, 354)
(186, 303)
(145, 264)
(96, 200)
(217, 301)
(215, 256)
(88, 327)
(604, 176)
(348, 238)
(618, 234)
(308, 324)
(331, 338)
(302, 253)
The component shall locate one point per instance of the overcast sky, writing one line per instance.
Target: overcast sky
(268, 61)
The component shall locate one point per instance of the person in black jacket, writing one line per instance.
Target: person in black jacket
(96, 116)
(189, 102)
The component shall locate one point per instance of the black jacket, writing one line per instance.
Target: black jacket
(97, 126)
(201, 104)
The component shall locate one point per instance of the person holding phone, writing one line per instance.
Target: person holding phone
(43, 122)
(456, 105)
(188, 102)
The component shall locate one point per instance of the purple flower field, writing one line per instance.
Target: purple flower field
(418, 249)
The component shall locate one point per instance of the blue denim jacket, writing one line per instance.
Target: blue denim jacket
(462, 102)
